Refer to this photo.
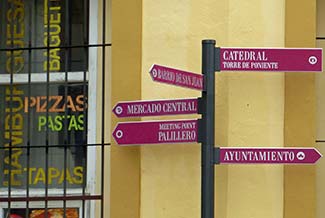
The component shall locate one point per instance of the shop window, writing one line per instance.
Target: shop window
(42, 23)
(29, 118)
(45, 141)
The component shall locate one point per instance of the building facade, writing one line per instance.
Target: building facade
(252, 109)
(65, 65)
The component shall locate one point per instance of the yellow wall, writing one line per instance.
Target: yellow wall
(299, 181)
(249, 107)
(126, 85)
(320, 111)
(320, 18)
(252, 109)
(255, 111)
(320, 119)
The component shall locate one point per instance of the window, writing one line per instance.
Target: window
(48, 65)
(30, 118)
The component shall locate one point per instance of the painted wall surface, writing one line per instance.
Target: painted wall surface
(320, 135)
(252, 109)
(125, 85)
(249, 107)
(320, 114)
(300, 107)
(320, 5)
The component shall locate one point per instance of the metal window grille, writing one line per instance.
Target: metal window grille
(44, 109)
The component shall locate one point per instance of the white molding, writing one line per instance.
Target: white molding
(38, 192)
(5, 79)
(92, 103)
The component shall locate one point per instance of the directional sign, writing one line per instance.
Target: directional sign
(154, 132)
(176, 77)
(156, 108)
(268, 155)
(271, 59)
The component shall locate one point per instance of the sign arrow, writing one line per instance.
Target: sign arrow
(271, 59)
(156, 132)
(156, 107)
(176, 77)
(228, 155)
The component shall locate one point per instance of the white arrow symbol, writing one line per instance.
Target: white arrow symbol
(301, 155)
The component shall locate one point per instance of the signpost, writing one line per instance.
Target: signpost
(185, 131)
(156, 107)
(209, 66)
(245, 155)
(176, 77)
(271, 59)
(156, 132)
(245, 59)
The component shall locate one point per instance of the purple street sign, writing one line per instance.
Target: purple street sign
(269, 155)
(176, 77)
(271, 59)
(154, 132)
(156, 108)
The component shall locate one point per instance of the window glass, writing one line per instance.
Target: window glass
(41, 213)
(58, 121)
(56, 23)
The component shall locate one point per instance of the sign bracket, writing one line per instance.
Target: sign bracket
(216, 158)
(217, 64)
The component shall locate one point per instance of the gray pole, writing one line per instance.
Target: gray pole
(207, 128)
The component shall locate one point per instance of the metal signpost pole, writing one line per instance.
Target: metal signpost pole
(207, 129)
